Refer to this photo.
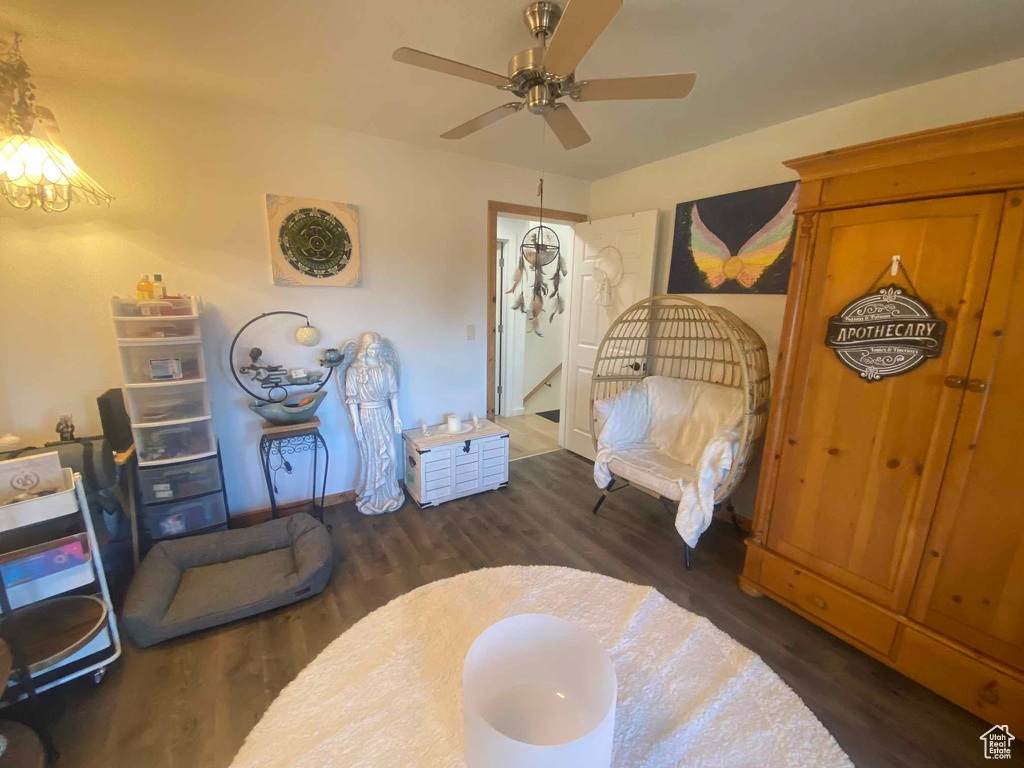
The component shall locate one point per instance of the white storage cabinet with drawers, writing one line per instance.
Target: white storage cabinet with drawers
(180, 477)
(440, 467)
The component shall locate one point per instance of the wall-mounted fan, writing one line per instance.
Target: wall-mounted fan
(542, 75)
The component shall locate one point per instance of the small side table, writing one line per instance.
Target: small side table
(290, 440)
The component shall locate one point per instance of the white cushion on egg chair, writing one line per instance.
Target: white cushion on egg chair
(675, 437)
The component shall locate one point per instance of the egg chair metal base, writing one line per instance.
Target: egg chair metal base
(610, 489)
(672, 505)
(735, 519)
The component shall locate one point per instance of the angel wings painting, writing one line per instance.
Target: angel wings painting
(369, 387)
(736, 243)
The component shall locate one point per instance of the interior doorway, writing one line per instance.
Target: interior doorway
(525, 367)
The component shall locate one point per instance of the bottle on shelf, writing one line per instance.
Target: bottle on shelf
(144, 288)
(159, 289)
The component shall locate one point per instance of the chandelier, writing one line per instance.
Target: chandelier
(35, 167)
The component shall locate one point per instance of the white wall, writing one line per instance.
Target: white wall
(548, 397)
(189, 180)
(755, 159)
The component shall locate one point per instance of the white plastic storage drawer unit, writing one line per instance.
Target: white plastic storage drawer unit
(441, 467)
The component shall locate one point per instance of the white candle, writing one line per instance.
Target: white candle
(454, 423)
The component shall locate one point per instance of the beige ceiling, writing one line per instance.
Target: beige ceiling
(759, 62)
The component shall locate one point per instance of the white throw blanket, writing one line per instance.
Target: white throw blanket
(673, 436)
(388, 692)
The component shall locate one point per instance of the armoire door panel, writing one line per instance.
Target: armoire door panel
(862, 461)
(971, 585)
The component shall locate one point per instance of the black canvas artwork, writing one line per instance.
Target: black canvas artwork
(741, 242)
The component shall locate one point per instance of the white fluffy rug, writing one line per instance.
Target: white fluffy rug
(388, 691)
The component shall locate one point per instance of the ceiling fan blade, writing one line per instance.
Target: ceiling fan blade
(580, 26)
(566, 127)
(653, 87)
(482, 121)
(448, 67)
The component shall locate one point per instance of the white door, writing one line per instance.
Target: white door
(635, 237)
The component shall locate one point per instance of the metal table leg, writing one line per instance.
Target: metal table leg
(266, 448)
(323, 486)
(310, 441)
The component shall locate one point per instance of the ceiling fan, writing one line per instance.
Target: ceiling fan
(542, 75)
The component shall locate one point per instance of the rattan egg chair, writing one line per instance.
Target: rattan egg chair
(682, 338)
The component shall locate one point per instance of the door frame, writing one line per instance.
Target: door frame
(494, 209)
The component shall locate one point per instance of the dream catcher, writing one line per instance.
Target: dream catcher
(608, 273)
(540, 248)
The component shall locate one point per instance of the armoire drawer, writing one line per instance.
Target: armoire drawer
(855, 617)
(971, 683)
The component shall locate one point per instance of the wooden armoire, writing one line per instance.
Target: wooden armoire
(891, 512)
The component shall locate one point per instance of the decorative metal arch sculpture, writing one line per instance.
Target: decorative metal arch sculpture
(679, 337)
(269, 398)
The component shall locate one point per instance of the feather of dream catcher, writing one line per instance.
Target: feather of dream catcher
(540, 248)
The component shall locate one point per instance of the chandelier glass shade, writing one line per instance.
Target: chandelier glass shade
(35, 171)
(35, 167)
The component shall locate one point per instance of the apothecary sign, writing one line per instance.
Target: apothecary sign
(885, 333)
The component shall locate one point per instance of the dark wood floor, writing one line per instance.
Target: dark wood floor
(191, 702)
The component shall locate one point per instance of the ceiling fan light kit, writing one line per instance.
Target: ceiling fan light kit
(543, 74)
(541, 18)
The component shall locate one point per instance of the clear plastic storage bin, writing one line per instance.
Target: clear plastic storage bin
(174, 441)
(184, 306)
(149, 405)
(45, 570)
(155, 328)
(180, 480)
(163, 363)
(179, 518)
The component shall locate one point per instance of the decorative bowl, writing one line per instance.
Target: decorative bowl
(289, 411)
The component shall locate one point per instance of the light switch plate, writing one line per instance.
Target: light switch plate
(470, 332)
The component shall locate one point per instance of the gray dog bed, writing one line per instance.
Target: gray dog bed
(199, 582)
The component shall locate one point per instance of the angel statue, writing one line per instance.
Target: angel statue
(371, 394)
